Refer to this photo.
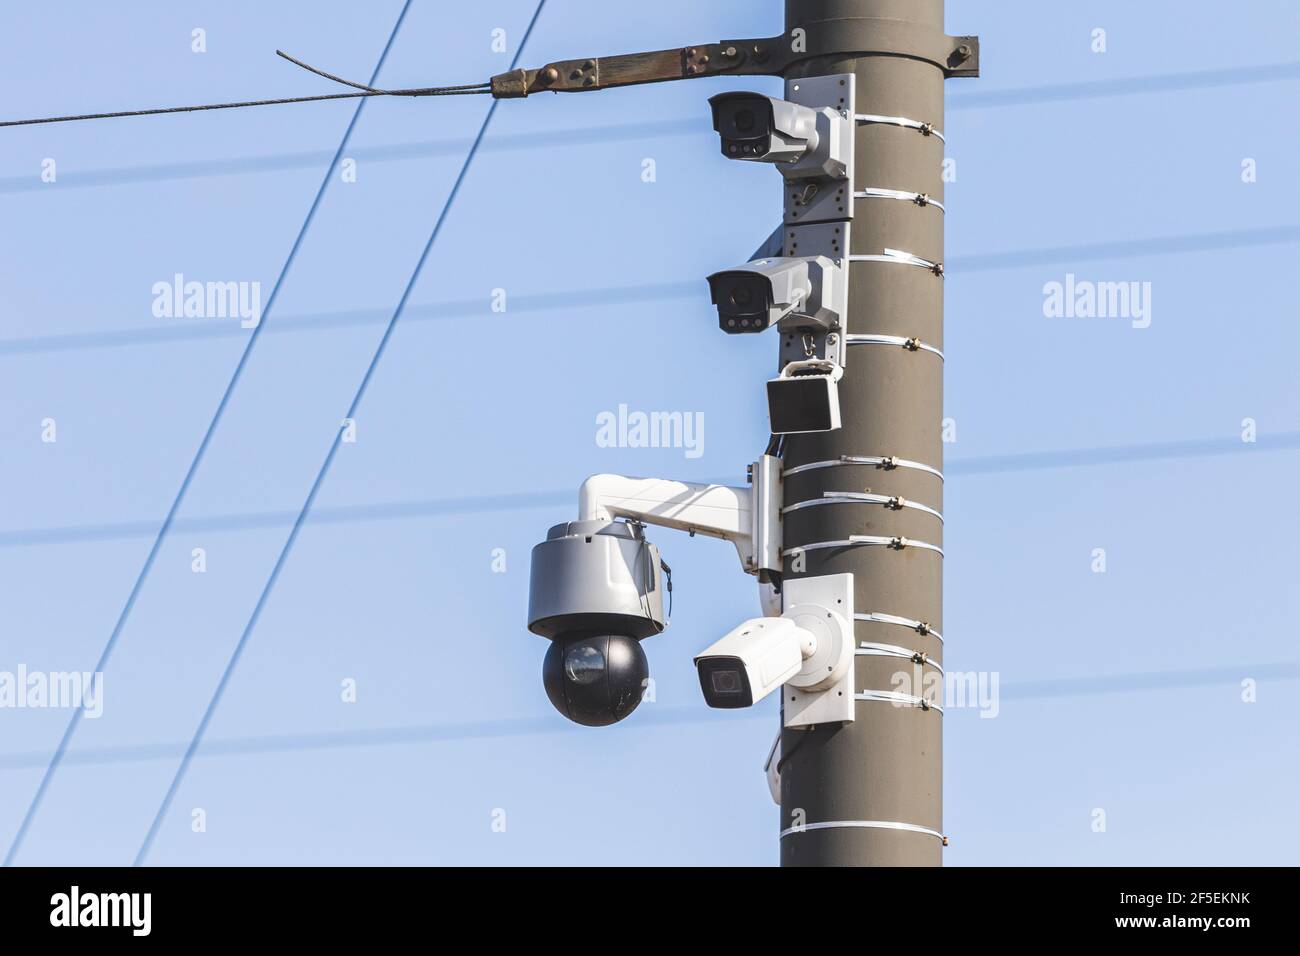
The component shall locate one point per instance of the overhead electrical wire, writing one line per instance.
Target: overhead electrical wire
(363, 91)
(200, 731)
(62, 748)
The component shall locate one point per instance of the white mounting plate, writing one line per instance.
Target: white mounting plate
(834, 198)
(835, 704)
(829, 239)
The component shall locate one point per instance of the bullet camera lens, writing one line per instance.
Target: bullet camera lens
(723, 681)
(726, 682)
(746, 122)
(744, 300)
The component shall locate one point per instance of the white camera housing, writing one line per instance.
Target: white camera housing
(753, 660)
(805, 142)
(808, 649)
(809, 137)
(794, 292)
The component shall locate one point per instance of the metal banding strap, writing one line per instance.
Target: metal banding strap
(892, 502)
(920, 627)
(925, 129)
(906, 258)
(920, 199)
(867, 649)
(898, 699)
(902, 341)
(865, 540)
(864, 824)
(887, 462)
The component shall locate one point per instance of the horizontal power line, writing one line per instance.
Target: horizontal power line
(314, 159)
(647, 718)
(1121, 454)
(1124, 249)
(481, 504)
(1126, 86)
(1151, 680)
(206, 329)
(990, 99)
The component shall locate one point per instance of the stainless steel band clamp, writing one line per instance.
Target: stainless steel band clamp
(863, 824)
(884, 462)
(925, 129)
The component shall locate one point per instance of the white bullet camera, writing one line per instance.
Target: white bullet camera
(805, 143)
(799, 292)
(809, 647)
(752, 661)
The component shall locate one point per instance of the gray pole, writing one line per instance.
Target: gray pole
(886, 766)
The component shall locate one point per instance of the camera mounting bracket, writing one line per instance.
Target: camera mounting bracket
(829, 239)
(821, 693)
(824, 198)
(770, 56)
(749, 518)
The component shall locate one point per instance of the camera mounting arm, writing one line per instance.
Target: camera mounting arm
(768, 57)
(750, 518)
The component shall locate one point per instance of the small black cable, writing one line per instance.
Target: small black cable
(417, 91)
(669, 574)
(328, 76)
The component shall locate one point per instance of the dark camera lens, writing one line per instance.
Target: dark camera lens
(595, 679)
(745, 120)
(726, 682)
(584, 664)
(744, 300)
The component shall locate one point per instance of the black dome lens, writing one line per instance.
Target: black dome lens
(595, 679)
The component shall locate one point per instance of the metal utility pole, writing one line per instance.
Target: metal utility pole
(870, 792)
(860, 484)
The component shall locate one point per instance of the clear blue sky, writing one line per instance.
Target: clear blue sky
(479, 426)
